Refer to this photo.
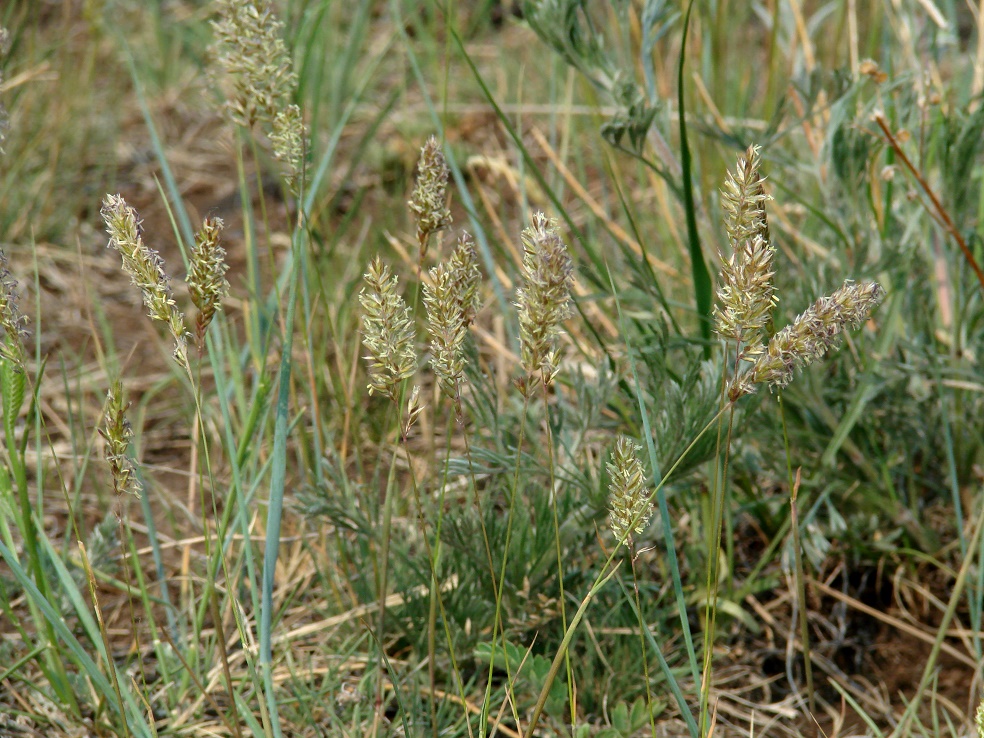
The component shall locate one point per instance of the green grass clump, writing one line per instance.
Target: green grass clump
(508, 404)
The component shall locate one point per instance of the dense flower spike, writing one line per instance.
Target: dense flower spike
(451, 299)
(744, 200)
(463, 265)
(544, 299)
(446, 324)
(810, 336)
(11, 319)
(117, 432)
(206, 277)
(253, 58)
(429, 201)
(387, 331)
(631, 499)
(287, 135)
(146, 269)
(746, 295)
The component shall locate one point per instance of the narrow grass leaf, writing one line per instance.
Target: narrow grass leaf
(698, 266)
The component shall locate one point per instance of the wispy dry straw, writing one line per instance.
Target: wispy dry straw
(387, 331)
(206, 277)
(146, 269)
(544, 299)
(429, 201)
(809, 336)
(631, 498)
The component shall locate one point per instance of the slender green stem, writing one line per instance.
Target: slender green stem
(560, 555)
(497, 619)
(798, 561)
(600, 581)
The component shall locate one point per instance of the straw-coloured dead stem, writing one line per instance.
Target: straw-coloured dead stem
(146, 269)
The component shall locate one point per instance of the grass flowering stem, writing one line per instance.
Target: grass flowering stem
(713, 565)
(600, 582)
(497, 625)
(551, 455)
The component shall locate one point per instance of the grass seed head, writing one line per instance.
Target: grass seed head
(631, 499)
(544, 300)
(146, 269)
(446, 324)
(206, 276)
(249, 51)
(12, 344)
(451, 299)
(744, 200)
(254, 68)
(814, 332)
(287, 136)
(117, 432)
(746, 295)
(467, 277)
(429, 201)
(387, 331)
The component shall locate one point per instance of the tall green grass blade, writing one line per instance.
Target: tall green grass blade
(671, 680)
(278, 475)
(698, 266)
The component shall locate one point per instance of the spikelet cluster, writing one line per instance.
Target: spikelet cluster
(11, 319)
(746, 296)
(4, 46)
(429, 201)
(117, 433)
(631, 499)
(543, 301)
(206, 276)
(387, 331)
(146, 269)
(979, 719)
(809, 336)
(258, 75)
(452, 300)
